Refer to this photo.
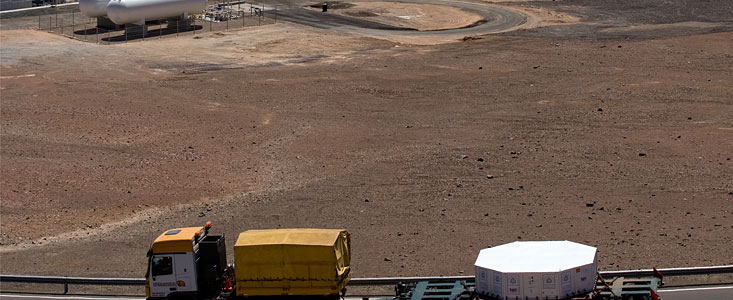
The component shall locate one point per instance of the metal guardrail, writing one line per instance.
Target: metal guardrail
(66, 281)
(727, 269)
(672, 271)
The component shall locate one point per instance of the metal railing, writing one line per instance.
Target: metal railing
(728, 269)
(672, 271)
(66, 281)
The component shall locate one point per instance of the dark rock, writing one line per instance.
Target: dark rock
(642, 154)
(589, 204)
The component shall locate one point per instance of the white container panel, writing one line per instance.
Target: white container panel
(483, 281)
(566, 284)
(550, 286)
(513, 284)
(583, 278)
(532, 285)
(498, 283)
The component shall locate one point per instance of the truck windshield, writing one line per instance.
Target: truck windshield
(162, 265)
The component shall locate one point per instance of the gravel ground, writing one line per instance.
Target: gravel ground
(426, 154)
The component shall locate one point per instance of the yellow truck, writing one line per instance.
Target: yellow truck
(190, 263)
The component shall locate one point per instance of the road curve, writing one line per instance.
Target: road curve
(496, 19)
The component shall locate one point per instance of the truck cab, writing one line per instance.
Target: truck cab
(185, 262)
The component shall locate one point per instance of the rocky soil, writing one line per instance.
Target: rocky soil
(617, 134)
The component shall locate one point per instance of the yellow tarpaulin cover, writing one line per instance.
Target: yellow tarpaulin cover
(292, 261)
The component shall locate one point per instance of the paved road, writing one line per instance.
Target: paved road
(495, 19)
(706, 293)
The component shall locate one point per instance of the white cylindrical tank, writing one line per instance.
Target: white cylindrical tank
(136, 11)
(94, 8)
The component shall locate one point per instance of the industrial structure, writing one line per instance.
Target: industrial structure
(116, 13)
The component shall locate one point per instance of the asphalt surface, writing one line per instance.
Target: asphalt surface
(708, 293)
(495, 19)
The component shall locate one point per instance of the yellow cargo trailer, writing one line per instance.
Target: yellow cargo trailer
(305, 262)
(190, 263)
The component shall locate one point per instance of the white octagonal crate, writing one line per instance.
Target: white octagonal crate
(536, 270)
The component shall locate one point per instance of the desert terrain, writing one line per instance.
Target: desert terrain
(608, 123)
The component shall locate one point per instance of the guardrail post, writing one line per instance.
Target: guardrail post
(66, 288)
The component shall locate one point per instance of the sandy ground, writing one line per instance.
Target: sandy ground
(426, 154)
